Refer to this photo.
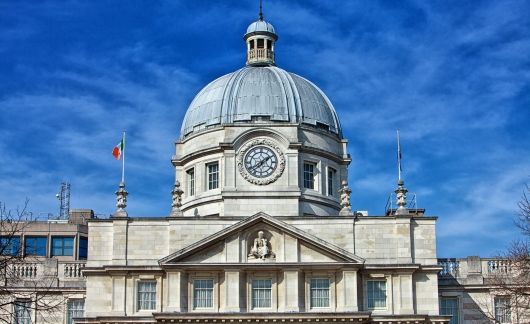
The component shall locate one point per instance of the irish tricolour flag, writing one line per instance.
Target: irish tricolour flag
(118, 149)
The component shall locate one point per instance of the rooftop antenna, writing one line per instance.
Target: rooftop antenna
(261, 10)
(64, 200)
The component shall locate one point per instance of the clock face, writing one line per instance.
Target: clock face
(260, 161)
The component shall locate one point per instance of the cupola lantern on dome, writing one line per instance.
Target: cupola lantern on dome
(260, 38)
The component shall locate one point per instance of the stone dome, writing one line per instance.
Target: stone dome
(257, 94)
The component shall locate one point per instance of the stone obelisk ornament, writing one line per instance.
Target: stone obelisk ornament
(121, 201)
(345, 203)
(177, 200)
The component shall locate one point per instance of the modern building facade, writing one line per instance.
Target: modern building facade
(41, 266)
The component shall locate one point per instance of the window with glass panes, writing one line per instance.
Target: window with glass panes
(146, 295)
(203, 293)
(502, 310)
(22, 312)
(309, 175)
(331, 182)
(190, 174)
(75, 309)
(213, 175)
(83, 247)
(62, 245)
(35, 245)
(9, 245)
(376, 293)
(449, 306)
(319, 292)
(261, 293)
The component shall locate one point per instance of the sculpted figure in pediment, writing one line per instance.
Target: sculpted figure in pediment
(260, 248)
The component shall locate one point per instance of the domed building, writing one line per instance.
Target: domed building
(261, 228)
(261, 139)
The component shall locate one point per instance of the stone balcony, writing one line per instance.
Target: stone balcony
(471, 270)
(46, 272)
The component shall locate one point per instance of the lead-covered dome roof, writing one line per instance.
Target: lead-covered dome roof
(260, 93)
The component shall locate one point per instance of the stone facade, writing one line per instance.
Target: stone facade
(261, 227)
(173, 252)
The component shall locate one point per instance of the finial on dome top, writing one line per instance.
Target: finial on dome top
(261, 10)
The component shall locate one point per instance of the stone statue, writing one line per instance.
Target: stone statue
(260, 248)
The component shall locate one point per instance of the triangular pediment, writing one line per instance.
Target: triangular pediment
(261, 238)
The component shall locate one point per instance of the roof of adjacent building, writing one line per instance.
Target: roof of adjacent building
(266, 91)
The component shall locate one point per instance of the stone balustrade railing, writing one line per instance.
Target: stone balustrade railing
(72, 269)
(260, 54)
(473, 269)
(450, 267)
(498, 266)
(49, 269)
(25, 271)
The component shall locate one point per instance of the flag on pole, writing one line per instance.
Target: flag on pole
(118, 149)
(399, 156)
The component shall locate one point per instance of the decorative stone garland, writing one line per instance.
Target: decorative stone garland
(241, 164)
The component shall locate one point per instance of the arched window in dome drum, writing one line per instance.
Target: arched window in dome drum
(261, 42)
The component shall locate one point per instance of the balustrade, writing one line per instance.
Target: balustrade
(73, 270)
(499, 266)
(260, 53)
(25, 271)
(450, 267)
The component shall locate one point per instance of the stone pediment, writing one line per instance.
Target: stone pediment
(261, 239)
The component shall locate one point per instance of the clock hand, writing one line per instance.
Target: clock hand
(260, 163)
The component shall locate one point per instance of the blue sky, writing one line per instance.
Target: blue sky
(454, 76)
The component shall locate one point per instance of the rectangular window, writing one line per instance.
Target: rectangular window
(202, 293)
(376, 293)
(331, 182)
(213, 175)
(35, 245)
(9, 245)
(83, 247)
(75, 309)
(309, 175)
(190, 174)
(319, 292)
(261, 293)
(260, 43)
(62, 245)
(502, 310)
(449, 306)
(22, 312)
(146, 295)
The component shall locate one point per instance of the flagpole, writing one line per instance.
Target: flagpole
(399, 156)
(123, 161)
